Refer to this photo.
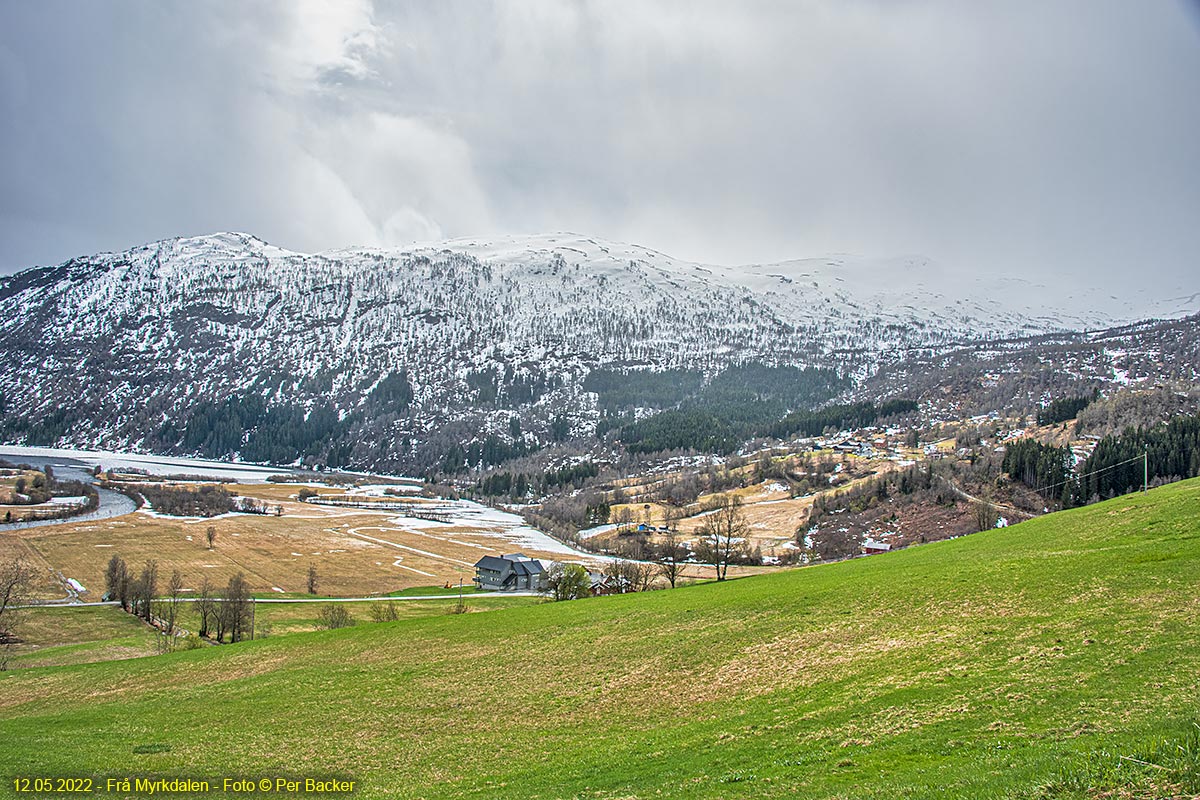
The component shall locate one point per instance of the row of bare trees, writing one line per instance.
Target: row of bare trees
(221, 613)
(229, 612)
(138, 593)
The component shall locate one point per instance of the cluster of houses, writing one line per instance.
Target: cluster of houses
(517, 572)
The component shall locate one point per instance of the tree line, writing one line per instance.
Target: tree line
(228, 612)
(181, 501)
(1172, 453)
(1066, 408)
(1119, 464)
(725, 427)
(519, 484)
(137, 592)
(715, 416)
(1046, 468)
(280, 434)
(839, 417)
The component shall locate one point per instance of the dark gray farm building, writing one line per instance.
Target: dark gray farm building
(515, 572)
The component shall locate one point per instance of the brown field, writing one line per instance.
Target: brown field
(356, 552)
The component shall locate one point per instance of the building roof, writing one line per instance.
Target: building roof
(493, 562)
(517, 562)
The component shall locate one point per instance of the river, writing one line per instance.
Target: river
(112, 504)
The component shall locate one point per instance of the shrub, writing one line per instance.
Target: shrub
(334, 616)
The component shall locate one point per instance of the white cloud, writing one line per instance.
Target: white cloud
(413, 177)
(308, 39)
(1016, 137)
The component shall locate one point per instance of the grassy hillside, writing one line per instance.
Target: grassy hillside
(1035, 661)
(78, 635)
(54, 636)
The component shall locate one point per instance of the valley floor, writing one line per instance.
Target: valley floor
(1055, 658)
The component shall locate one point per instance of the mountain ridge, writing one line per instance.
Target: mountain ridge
(1169, 304)
(469, 339)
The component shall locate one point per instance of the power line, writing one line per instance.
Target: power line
(1093, 472)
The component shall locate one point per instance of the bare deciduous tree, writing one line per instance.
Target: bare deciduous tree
(235, 609)
(671, 516)
(312, 578)
(210, 534)
(672, 558)
(116, 581)
(640, 575)
(985, 514)
(724, 533)
(144, 590)
(205, 607)
(16, 578)
(630, 576)
(169, 611)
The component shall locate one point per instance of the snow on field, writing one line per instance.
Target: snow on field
(588, 533)
(502, 525)
(150, 512)
(155, 465)
(382, 489)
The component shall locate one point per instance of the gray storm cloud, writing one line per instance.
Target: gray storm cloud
(1021, 137)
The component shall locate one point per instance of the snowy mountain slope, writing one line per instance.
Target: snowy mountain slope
(119, 349)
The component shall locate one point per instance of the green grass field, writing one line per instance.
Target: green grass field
(79, 635)
(289, 618)
(1056, 658)
(54, 636)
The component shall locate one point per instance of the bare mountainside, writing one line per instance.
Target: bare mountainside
(390, 357)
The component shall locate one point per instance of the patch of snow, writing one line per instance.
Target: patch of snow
(588, 533)
(68, 501)
(154, 465)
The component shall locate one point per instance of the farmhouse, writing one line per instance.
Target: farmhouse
(601, 584)
(515, 572)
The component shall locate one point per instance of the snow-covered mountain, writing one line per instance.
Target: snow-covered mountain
(120, 349)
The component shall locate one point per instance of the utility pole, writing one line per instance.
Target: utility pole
(459, 608)
(1146, 468)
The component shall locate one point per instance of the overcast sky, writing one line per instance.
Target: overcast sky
(1031, 138)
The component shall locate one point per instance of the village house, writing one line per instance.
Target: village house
(871, 547)
(601, 584)
(514, 572)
